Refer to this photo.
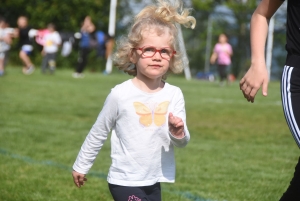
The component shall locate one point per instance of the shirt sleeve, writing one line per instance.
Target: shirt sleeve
(58, 39)
(97, 135)
(179, 111)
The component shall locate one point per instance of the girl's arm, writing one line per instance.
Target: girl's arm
(97, 135)
(178, 131)
(257, 74)
(213, 58)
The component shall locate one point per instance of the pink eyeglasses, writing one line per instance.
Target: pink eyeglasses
(149, 51)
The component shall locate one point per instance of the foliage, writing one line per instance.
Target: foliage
(68, 15)
(238, 31)
(238, 151)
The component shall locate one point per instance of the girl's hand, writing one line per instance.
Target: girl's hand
(176, 126)
(78, 178)
(256, 77)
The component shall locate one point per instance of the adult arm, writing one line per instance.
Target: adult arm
(257, 74)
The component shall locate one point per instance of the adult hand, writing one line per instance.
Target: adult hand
(79, 179)
(176, 126)
(256, 77)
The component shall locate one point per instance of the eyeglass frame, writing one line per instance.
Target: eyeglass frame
(156, 50)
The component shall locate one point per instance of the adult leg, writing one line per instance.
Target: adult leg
(290, 94)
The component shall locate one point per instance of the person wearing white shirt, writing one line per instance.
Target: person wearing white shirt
(6, 35)
(147, 115)
(52, 41)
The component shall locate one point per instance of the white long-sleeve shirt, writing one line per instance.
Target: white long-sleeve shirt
(52, 41)
(142, 149)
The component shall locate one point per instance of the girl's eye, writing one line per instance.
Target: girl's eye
(149, 49)
(165, 51)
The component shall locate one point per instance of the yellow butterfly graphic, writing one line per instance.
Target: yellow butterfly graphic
(147, 116)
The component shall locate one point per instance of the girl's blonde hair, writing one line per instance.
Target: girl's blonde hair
(163, 14)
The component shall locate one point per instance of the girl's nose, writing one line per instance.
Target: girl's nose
(157, 55)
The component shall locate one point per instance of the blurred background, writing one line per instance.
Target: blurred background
(238, 151)
(213, 17)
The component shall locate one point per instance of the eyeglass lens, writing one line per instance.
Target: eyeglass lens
(150, 51)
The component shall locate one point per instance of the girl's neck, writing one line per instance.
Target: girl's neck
(148, 85)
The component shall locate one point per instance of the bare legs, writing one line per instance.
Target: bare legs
(28, 69)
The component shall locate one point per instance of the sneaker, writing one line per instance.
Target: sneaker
(78, 75)
(28, 71)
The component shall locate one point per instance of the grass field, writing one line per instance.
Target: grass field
(238, 151)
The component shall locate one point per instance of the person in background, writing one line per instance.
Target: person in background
(87, 42)
(52, 41)
(257, 76)
(6, 35)
(222, 56)
(25, 44)
(146, 113)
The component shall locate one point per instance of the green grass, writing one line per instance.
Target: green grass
(238, 151)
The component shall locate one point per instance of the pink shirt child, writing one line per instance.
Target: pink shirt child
(223, 51)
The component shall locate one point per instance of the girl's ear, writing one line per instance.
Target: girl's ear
(133, 57)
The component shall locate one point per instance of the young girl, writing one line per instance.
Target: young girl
(257, 75)
(222, 54)
(146, 113)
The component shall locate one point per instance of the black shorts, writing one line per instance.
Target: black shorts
(139, 193)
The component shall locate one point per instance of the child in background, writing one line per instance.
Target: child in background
(25, 44)
(87, 41)
(52, 41)
(146, 113)
(222, 54)
(257, 75)
(6, 35)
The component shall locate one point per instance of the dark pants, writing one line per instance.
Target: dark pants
(222, 69)
(142, 193)
(49, 62)
(290, 95)
(82, 59)
(293, 191)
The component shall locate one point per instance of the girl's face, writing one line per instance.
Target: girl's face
(222, 38)
(153, 67)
